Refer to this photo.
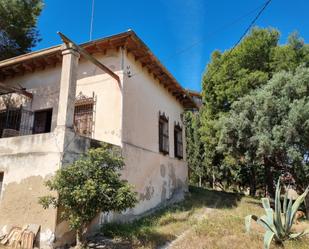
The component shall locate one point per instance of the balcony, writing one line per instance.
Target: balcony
(18, 121)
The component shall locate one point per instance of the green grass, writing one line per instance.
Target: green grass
(210, 219)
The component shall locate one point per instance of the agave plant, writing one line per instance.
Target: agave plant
(278, 222)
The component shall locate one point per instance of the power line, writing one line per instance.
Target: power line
(261, 7)
(251, 24)
(246, 31)
(218, 30)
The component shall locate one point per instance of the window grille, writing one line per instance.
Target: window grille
(15, 122)
(84, 115)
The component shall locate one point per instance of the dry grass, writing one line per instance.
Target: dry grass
(205, 220)
(224, 229)
(167, 224)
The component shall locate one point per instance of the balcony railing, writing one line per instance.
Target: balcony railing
(16, 122)
(20, 121)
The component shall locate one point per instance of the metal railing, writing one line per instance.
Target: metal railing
(19, 121)
(15, 122)
(84, 115)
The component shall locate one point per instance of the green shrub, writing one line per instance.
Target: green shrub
(89, 186)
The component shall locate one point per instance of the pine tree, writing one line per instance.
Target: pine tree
(18, 32)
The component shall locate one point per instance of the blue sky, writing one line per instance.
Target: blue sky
(181, 33)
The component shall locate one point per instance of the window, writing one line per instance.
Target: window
(178, 145)
(10, 122)
(1, 181)
(15, 122)
(83, 116)
(42, 121)
(163, 134)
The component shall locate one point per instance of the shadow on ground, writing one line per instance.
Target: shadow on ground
(147, 232)
(200, 197)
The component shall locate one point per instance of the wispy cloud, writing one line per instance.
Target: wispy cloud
(187, 20)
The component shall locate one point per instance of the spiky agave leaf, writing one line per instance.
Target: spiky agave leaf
(268, 237)
(264, 222)
(273, 223)
(287, 216)
(277, 215)
(265, 203)
(285, 203)
(269, 217)
(296, 205)
(298, 235)
(248, 222)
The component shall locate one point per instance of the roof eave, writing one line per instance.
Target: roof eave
(52, 55)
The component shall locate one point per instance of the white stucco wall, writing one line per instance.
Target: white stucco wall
(125, 115)
(157, 177)
(108, 95)
(144, 98)
(44, 84)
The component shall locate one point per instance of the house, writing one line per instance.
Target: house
(56, 103)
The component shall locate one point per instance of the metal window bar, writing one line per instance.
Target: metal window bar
(84, 116)
(26, 123)
(15, 122)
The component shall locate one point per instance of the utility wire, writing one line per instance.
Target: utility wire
(251, 24)
(244, 34)
(263, 7)
(218, 30)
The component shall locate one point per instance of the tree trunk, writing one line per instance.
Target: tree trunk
(79, 238)
(252, 182)
(213, 180)
(199, 181)
(252, 189)
(269, 179)
(307, 206)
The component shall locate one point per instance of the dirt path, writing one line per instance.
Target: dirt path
(198, 216)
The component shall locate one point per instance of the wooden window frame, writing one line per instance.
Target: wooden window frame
(178, 144)
(163, 137)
